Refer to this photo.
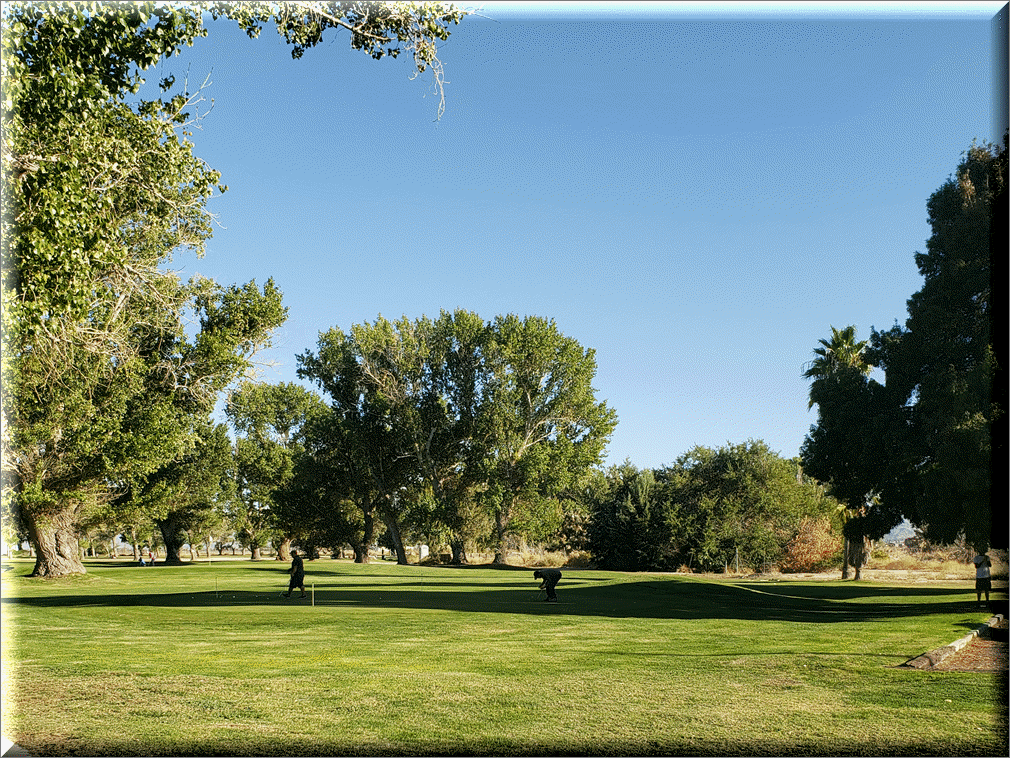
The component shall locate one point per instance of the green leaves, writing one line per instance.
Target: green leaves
(500, 413)
(919, 445)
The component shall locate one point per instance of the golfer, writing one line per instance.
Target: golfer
(983, 582)
(549, 580)
(297, 572)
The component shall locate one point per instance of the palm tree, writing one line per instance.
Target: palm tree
(842, 351)
(840, 354)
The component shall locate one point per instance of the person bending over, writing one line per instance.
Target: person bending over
(549, 580)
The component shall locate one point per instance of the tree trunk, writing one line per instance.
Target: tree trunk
(173, 538)
(458, 551)
(254, 553)
(54, 538)
(845, 557)
(283, 547)
(500, 522)
(367, 534)
(394, 532)
(858, 549)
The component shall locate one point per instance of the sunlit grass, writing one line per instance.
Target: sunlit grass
(210, 659)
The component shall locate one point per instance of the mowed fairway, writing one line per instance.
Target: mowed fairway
(210, 659)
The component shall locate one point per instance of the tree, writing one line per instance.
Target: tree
(328, 501)
(840, 353)
(941, 367)
(621, 534)
(845, 449)
(98, 194)
(540, 427)
(459, 413)
(428, 374)
(268, 419)
(362, 445)
(712, 508)
(179, 495)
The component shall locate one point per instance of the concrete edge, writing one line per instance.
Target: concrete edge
(929, 660)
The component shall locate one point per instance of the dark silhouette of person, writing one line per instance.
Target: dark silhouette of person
(549, 580)
(297, 572)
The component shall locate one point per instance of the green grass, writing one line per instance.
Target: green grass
(210, 659)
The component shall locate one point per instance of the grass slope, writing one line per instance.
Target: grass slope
(209, 659)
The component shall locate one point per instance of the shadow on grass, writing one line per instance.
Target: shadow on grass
(588, 596)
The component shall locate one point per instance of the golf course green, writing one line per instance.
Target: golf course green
(209, 658)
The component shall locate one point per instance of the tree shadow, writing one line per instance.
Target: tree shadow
(579, 596)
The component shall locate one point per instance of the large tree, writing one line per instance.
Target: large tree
(428, 376)
(185, 494)
(841, 449)
(99, 191)
(362, 446)
(920, 444)
(541, 427)
(268, 419)
(941, 366)
(499, 417)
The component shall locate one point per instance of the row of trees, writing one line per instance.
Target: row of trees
(445, 427)
(919, 444)
(107, 385)
(740, 505)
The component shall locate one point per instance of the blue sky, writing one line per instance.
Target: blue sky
(697, 192)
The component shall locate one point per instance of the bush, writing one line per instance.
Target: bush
(578, 559)
(814, 548)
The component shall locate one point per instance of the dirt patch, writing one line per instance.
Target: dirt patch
(986, 653)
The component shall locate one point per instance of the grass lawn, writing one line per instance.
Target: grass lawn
(209, 659)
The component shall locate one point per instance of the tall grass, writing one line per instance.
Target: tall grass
(209, 659)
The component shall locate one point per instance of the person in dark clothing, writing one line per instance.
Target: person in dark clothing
(297, 572)
(549, 580)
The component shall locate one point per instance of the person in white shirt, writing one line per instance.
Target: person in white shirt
(983, 582)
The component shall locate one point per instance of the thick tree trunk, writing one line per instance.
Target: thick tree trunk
(858, 549)
(367, 535)
(254, 553)
(54, 537)
(394, 532)
(173, 538)
(283, 547)
(458, 551)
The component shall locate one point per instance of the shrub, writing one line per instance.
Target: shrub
(578, 559)
(814, 548)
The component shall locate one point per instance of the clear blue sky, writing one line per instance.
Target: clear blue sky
(697, 192)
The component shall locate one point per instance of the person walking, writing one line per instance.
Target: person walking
(297, 572)
(983, 581)
(549, 580)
